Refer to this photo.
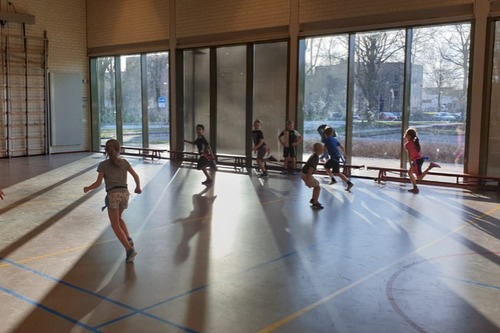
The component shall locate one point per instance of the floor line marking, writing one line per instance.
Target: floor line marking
(46, 308)
(133, 310)
(327, 298)
(79, 247)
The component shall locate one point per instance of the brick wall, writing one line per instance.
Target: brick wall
(321, 10)
(195, 17)
(116, 22)
(65, 24)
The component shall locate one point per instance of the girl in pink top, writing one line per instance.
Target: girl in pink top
(412, 146)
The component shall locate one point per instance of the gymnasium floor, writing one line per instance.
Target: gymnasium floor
(244, 255)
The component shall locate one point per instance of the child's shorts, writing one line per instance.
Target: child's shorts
(118, 200)
(309, 180)
(333, 164)
(261, 152)
(416, 166)
(203, 162)
(289, 152)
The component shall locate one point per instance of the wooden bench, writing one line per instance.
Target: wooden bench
(236, 161)
(141, 151)
(461, 180)
(184, 156)
(346, 168)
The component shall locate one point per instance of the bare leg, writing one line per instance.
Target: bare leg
(123, 226)
(261, 165)
(315, 196)
(431, 165)
(345, 179)
(116, 221)
(329, 172)
(413, 180)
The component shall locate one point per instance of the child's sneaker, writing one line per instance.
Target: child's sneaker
(130, 241)
(317, 205)
(414, 190)
(349, 186)
(311, 201)
(264, 174)
(334, 181)
(130, 255)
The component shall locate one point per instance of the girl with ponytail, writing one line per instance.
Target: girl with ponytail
(114, 172)
(412, 146)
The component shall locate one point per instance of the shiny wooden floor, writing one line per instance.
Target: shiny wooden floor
(244, 255)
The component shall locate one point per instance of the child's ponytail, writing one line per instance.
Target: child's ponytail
(113, 151)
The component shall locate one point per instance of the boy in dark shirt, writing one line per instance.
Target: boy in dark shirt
(290, 139)
(307, 174)
(206, 156)
(259, 146)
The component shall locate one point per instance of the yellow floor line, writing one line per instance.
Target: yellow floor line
(325, 299)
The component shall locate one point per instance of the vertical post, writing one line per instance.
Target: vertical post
(475, 150)
(293, 60)
(175, 113)
(118, 99)
(144, 99)
(249, 104)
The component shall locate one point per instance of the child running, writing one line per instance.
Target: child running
(206, 156)
(259, 146)
(307, 174)
(114, 172)
(290, 139)
(412, 146)
(337, 153)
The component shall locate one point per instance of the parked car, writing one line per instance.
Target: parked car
(444, 116)
(387, 116)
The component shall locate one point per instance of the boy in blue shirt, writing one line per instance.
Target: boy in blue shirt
(337, 153)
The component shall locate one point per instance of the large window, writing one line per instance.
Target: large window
(196, 93)
(157, 99)
(371, 86)
(106, 97)
(269, 97)
(132, 99)
(324, 78)
(494, 130)
(229, 90)
(378, 96)
(438, 100)
(231, 99)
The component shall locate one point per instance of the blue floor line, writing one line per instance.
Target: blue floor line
(46, 308)
(128, 307)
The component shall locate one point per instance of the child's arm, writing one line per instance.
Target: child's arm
(310, 171)
(2, 194)
(299, 139)
(257, 146)
(342, 150)
(136, 179)
(280, 137)
(95, 184)
(187, 141)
